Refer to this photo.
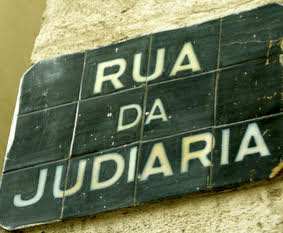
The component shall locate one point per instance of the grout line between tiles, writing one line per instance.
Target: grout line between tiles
(217, 76)
(178, 134)
(73, 139)
(215, 97)
(77, 109)
(113, 93)
(219, 42)
(47, 109)
(142, 122)
(65, 187)
(250, 120)
(34, 166)
(215, 101)
(104, 150)
(211, 158)
(218, 72)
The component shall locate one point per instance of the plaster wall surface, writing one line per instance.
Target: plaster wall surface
(71, 26)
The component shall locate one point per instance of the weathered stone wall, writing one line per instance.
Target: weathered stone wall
(70, 26)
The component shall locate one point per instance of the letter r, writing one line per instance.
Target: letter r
(114, 78)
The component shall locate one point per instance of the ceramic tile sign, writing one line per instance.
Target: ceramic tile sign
(178, 112)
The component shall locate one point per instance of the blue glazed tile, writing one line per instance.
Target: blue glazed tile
(107, 182)
(179, 106)
(248, 91)
(27, 196)
(52, 82)
(251, 35)
(110, 69)
(172, 166)
(108, 122)
(247, 152)
(41, 137)
(188, 51)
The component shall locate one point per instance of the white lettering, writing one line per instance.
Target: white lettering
(225, 146)
(200, 154)
(188, 51)
(132, 164)
(19, 202)
(162, 115)
(57, 192)
(118, 159)
(121, 117)
(261, 147)
(158, 151)
(114, 78)
(158, 67)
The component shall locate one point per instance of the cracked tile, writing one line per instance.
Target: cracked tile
(51, 83)
(250, 35)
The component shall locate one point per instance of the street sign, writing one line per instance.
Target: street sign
(190, 110)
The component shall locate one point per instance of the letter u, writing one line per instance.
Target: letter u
(19, 202)
(158, 67)
(57, 192)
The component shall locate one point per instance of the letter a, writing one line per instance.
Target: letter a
(162, 115)
(261, 147)
(157, 151)
(188, 51)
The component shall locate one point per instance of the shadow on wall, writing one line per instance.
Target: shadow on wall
(19, 25)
